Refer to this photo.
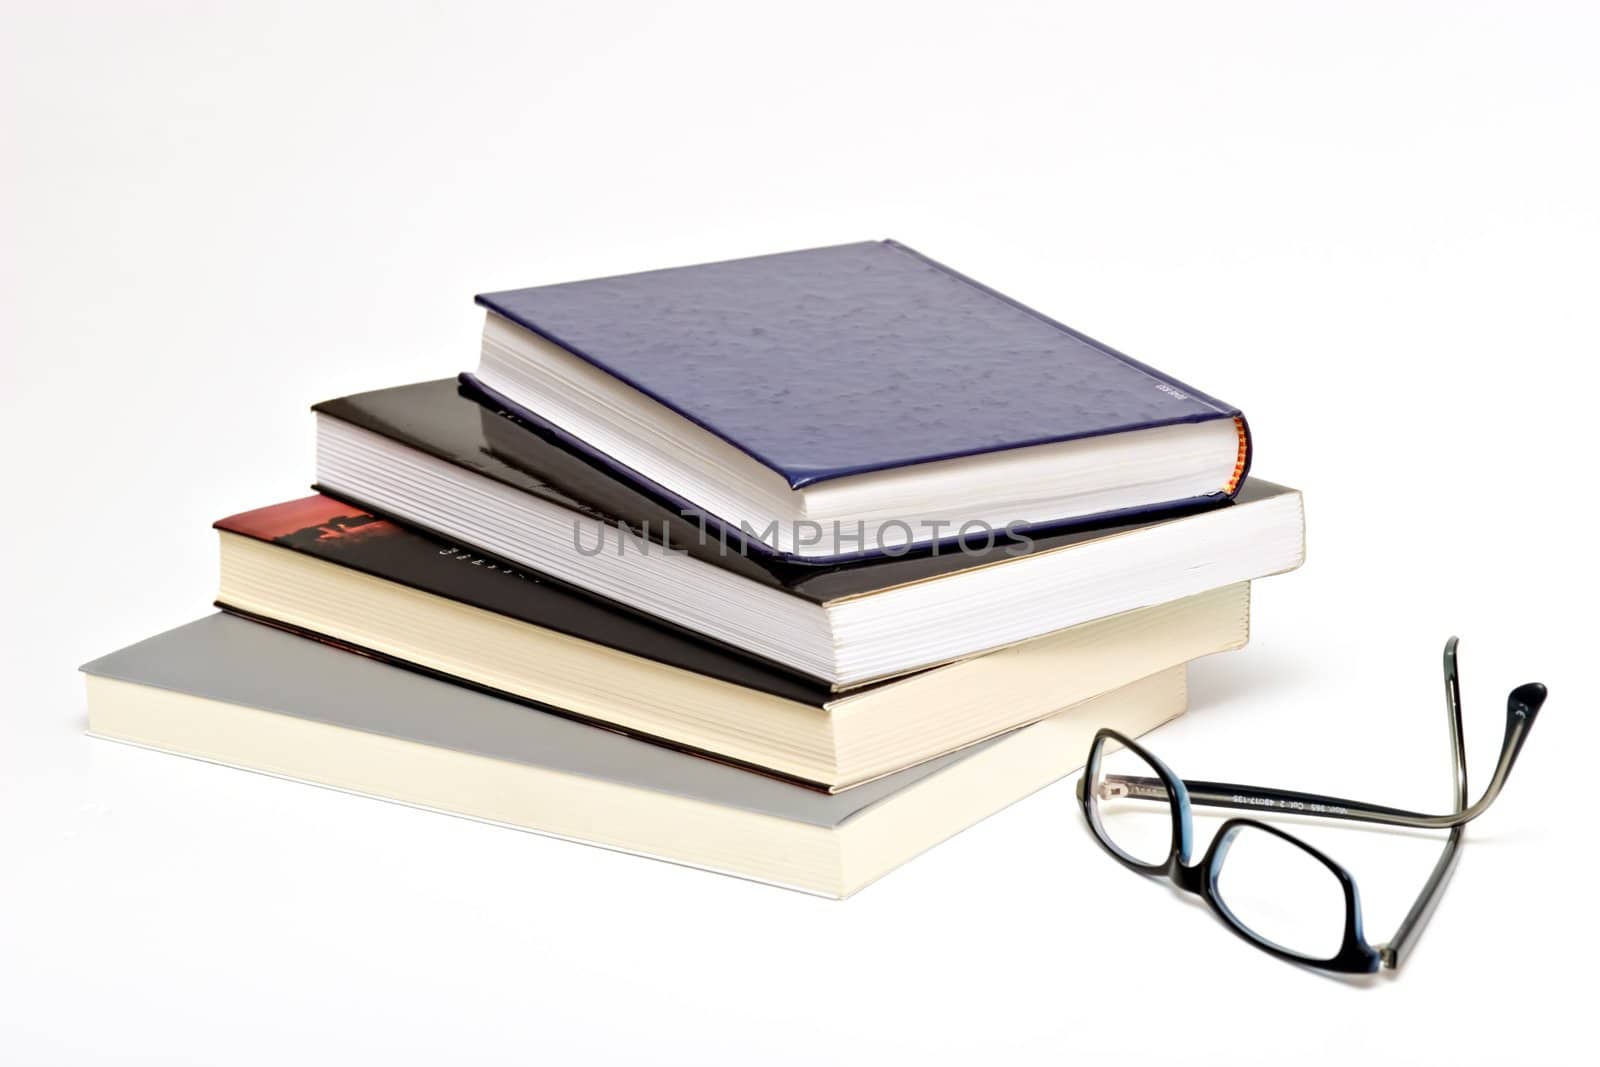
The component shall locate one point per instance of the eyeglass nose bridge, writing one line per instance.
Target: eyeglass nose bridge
(1201, 877)
(1190, 879)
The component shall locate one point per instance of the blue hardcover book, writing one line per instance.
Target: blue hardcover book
(853, 401)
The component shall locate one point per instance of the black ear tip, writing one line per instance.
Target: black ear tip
(1527, 699)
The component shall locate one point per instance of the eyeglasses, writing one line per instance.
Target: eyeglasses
(1268, 886)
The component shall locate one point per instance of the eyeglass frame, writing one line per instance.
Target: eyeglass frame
(1356, 955)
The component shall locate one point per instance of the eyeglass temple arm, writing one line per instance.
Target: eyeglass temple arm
(1422, 908)
(1317, 805)
(1522, 707)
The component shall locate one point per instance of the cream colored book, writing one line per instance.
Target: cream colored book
(421, 602)
(238, 693)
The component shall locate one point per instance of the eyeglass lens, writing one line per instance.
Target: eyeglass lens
(1129, 805)
(1281, 893)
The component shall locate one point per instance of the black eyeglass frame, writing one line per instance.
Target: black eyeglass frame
(1356, 955)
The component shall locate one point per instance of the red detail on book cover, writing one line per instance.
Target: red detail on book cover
(331, 520)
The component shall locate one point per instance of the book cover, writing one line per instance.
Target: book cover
(831, 362)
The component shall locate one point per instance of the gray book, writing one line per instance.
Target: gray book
(238, 693)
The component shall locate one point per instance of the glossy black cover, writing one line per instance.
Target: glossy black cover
(349, 536)
(441, 419)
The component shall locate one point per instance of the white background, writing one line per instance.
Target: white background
(1372, 226)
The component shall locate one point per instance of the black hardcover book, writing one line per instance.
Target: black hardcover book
(432, 456)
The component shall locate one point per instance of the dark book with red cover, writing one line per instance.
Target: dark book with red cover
(350, 536)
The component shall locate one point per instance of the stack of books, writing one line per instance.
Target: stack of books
(788, 567)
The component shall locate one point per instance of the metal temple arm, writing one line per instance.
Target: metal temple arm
(1422, 908)
(1522, 707)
